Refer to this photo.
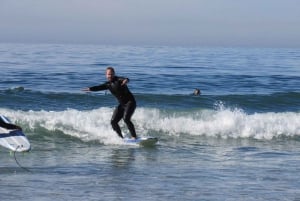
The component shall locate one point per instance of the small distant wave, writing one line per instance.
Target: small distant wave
(29, 99)
(15, 89)
(277, 102)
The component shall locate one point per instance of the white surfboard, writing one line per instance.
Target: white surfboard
(13, 139)
(143, 141)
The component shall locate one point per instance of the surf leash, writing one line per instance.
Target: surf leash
(24, 168)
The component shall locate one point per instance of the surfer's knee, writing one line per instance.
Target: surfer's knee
(127, 121)
(113, 123)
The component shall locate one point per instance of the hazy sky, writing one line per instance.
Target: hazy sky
(258, 23)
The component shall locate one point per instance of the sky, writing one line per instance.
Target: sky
(222, 23)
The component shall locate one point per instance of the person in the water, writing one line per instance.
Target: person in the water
(127, 104)
(197, 92)
(6, 125)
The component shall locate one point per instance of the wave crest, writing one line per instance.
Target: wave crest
(223, 122)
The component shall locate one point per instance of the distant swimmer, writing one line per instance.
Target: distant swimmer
(197, 92)
(127, 104)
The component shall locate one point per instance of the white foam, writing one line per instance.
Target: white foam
(225, 123)
(86, 125)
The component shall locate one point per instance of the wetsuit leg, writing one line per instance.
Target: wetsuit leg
(129, 110)
(117, 116)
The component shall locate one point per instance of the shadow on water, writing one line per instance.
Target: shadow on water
(122, 158)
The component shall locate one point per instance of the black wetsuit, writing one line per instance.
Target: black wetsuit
(8, 125)
(126, 106)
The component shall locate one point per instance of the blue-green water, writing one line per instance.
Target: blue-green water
(238, 140)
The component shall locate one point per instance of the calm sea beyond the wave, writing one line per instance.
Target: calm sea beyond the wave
(238, 140)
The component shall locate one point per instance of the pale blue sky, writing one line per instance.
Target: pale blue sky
(229, 23)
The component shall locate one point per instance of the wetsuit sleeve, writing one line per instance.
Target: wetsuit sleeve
(99, 87)
(9, 126)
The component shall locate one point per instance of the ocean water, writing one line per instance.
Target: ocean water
(238, 140)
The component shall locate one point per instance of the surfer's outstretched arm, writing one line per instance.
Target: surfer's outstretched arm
(86, 89)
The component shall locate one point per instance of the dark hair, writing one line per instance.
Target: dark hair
(111, 69)
(197, 92)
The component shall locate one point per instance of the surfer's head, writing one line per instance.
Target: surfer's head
(110, 73)
(197, 92)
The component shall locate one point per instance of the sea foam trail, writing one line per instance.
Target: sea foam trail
(226, 123)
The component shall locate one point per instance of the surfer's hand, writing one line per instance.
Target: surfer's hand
(124, 82)
(86, 89)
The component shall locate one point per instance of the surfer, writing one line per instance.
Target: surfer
(8, 126)
(127, 104)
(197, 92)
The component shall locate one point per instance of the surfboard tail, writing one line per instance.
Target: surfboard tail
(144, 141)
(12, 136)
